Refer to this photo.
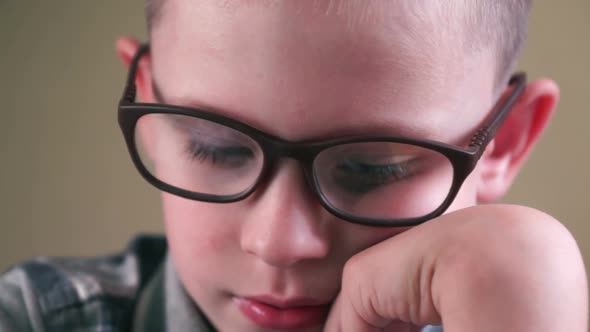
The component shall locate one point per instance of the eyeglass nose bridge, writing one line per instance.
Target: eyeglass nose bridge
(275, 151)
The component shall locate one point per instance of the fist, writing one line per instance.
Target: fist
(486, 268)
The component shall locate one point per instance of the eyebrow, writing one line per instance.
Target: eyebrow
(159, 97)
(383, 128)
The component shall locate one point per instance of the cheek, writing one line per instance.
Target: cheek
(361, 237)
(467, 195)
(354, 238)
(200, 235)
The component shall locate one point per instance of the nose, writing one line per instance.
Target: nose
(286, 223)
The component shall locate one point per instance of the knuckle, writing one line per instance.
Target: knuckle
(508, 241)
(357, 290)
(352, 273)
(515, 253)
(527, 231)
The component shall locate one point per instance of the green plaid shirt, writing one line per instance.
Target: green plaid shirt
(134, 291)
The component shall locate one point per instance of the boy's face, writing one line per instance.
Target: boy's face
(303, 70)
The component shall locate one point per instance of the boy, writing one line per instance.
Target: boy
(306, 151)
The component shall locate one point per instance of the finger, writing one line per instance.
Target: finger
(333, 323)
(345, 318)
(391, 282)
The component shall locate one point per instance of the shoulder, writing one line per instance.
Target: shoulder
(71, 294)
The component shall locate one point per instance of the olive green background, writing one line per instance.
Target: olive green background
(67, 186)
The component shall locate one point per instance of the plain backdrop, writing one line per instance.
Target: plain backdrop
(67, 185)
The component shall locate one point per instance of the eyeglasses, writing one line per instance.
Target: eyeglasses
(370, 180)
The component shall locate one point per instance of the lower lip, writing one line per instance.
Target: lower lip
(270, 317)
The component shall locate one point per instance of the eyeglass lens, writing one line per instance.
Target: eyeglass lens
(379, 180)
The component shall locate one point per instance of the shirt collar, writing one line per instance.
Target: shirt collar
(164, 305)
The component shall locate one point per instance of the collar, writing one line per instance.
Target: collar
(164, 305)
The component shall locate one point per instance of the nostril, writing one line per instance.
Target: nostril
(283, 242)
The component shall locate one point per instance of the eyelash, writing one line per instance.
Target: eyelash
(369, 177)
(381, 170)
(203, 152)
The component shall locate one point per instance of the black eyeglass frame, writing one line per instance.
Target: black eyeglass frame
(463, 160)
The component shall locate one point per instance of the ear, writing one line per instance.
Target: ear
(126, 49)
(512, 144)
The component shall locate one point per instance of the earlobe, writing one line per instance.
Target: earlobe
(126, 48)
(515, 140)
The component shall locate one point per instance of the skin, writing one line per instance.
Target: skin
(304, 71)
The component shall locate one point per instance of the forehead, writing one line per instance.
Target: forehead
(306, 69)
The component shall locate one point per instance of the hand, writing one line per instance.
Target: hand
(486, 268)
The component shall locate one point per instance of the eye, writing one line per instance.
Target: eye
(226, 156)
(361, 177)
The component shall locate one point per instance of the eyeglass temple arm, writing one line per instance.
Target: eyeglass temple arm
(130, 88)
(479, 140)
(484, 135)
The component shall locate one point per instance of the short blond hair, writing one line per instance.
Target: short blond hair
(500, 25)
